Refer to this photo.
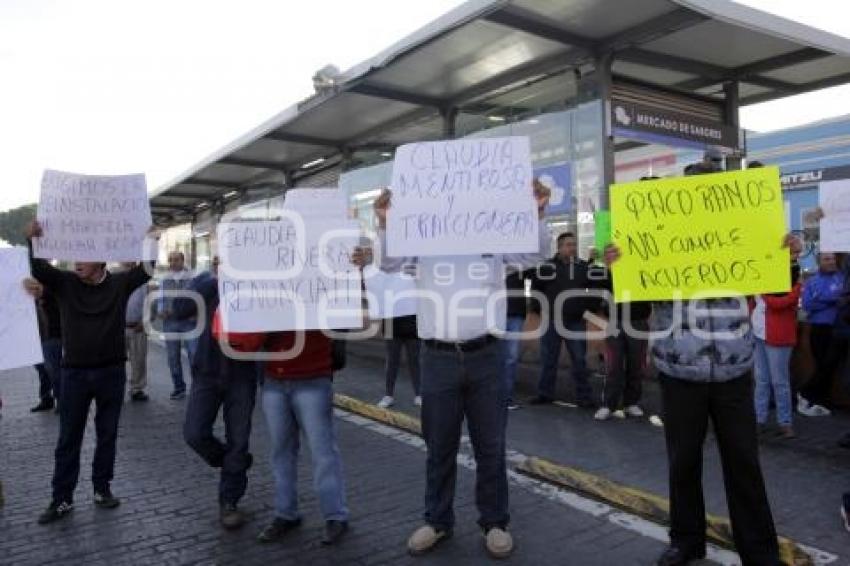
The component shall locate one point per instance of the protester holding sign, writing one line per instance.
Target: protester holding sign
(92, 303)
(462, 368)
(298, 399)
(704, 347)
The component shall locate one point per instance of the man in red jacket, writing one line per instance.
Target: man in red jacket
(298, 397)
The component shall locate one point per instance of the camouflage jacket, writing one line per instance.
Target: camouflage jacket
(704, 340)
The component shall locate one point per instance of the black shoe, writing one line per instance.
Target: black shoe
(541, 400)
(278, 529)
(139, 396)
(43, 405)
(844, 442)
(177, 395)
(55, 511)
(105, 500)
(586, 404)
(678, 556)
(334, 531)
(231, 517)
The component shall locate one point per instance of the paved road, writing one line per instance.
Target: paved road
(169, 513)
(805, 477)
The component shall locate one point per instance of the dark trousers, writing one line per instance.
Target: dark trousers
(626, 360)
(688, 406)
(234, 391)
(104, 386)
(457, 385)
(394, 347)
(550, 352)
(45, 384)
(829, 351)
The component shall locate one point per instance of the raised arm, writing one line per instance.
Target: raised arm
(364, 256)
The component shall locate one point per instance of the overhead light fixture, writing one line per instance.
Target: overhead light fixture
(313, 163)
(496, 118)
(534, 121)
(386, 154)
(201, 205)
(231, 194)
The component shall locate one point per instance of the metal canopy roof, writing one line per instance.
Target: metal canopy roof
(500, 57)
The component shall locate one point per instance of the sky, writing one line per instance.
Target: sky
(119, 86)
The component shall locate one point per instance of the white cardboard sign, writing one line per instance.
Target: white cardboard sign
(834, 197)
(462, 197)
(289, 274)
(20, 344)
(389, 294)
(92, 217)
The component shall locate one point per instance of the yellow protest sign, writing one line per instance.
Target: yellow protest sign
(716, 235)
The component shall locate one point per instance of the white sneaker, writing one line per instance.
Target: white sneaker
(386, 402)
(499, 543)
(603, 414)
(808, 410)
(417, 401)
(820, 411)
(618, 414)
(634, 411)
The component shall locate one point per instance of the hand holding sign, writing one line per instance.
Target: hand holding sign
(381, 206)
(542, 194)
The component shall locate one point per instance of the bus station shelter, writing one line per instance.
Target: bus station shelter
(607, 91)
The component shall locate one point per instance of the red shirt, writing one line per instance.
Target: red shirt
(314, 360)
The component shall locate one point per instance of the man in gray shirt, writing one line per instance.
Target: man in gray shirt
(137, 344)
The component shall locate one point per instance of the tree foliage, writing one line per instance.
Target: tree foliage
(13, 222)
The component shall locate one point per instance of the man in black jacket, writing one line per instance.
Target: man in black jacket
(92, 303)
(564, 273)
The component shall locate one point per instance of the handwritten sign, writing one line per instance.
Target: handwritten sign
(92, 218)
(20, 344)
(462, 197)
(312, 203)
(717, 235)
(289, 275)
(389, 294)
(834, 199)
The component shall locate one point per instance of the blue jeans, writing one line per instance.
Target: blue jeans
(174, 347)
(233, 390)
(550, 352)
(292, 407)
(104, 386)
(773, 373)
(457, 385)
(511, 356)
